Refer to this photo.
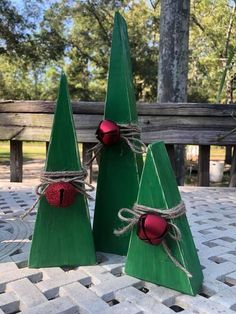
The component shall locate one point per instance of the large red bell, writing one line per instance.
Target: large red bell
(152, 228)
(60, 194)
(108, 132)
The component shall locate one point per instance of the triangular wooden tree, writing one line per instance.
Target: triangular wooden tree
(158, 189)
(62, 236)
(119, 167)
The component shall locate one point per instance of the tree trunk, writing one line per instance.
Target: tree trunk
(173, 61)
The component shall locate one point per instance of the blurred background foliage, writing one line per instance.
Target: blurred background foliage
(38, 38)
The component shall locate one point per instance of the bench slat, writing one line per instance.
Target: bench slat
(182, 109)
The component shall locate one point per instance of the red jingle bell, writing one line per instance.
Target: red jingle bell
(60, 194)
(152, 228)
(108, 132)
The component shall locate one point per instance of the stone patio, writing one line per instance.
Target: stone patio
(104, 288)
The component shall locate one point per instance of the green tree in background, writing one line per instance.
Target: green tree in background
(210, 47)
(13, 28)
(90, 41)
(76, 35)
(46, 36)
(27, 51)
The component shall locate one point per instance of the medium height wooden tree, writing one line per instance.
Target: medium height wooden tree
(173, 61)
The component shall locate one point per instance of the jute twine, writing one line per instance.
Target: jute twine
(167, 214)
(128, 134)
(76, 178)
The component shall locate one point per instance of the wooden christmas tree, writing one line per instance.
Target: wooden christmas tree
(149, 262)
(62, 235)
(119, 166)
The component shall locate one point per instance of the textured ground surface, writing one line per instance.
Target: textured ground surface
(104, 288)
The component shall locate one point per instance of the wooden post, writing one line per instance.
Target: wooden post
(233, 170)
(180, 163)
(173, 61)
(86, 156)
(203, 165)
(171, 153)
(16, 161)
(228, 154)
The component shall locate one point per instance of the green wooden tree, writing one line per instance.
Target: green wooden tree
(119, 167)
(158, 189)
(62, 236)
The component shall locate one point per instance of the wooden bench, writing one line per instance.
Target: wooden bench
(182, 123)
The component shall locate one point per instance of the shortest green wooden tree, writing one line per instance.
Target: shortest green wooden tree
(62, 235)
(158, 189)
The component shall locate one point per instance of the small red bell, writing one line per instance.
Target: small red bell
(60, 194)
(108, 132)
(152, 228)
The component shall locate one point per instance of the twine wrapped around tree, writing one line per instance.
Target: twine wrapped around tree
(138, 210)
(129, 134)
(76, 178)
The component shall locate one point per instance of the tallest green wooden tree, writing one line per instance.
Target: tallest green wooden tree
(62, 236)
(119, 166)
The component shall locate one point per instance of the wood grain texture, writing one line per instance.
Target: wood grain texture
(203, 165)
(119, 166)
(171, 136)
(173, 50)
(83, 121)
(160, 109)
(62, 235)
(16, 161)
(158, 189)
(198, 130)
(173, 123)
(9, 132)
(186, 109)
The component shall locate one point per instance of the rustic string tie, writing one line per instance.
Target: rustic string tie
(109, 133)
(75, 178)
(135, 215)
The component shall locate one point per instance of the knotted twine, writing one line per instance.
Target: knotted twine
(76, 178)
(128, 133)
(172, 213)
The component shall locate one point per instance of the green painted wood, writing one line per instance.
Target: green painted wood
(62, 236)
(158, 189)
(120, 103)
(119, 167)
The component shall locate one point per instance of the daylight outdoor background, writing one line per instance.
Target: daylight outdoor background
(39, 38)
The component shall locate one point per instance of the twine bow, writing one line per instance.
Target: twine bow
(76, 178)
(168, 214)
(129, 134)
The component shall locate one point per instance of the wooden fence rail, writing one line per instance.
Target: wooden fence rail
(182, 123)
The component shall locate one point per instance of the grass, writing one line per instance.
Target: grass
(37, 150)
(217, 153)
(34, 150)
(31, 150)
